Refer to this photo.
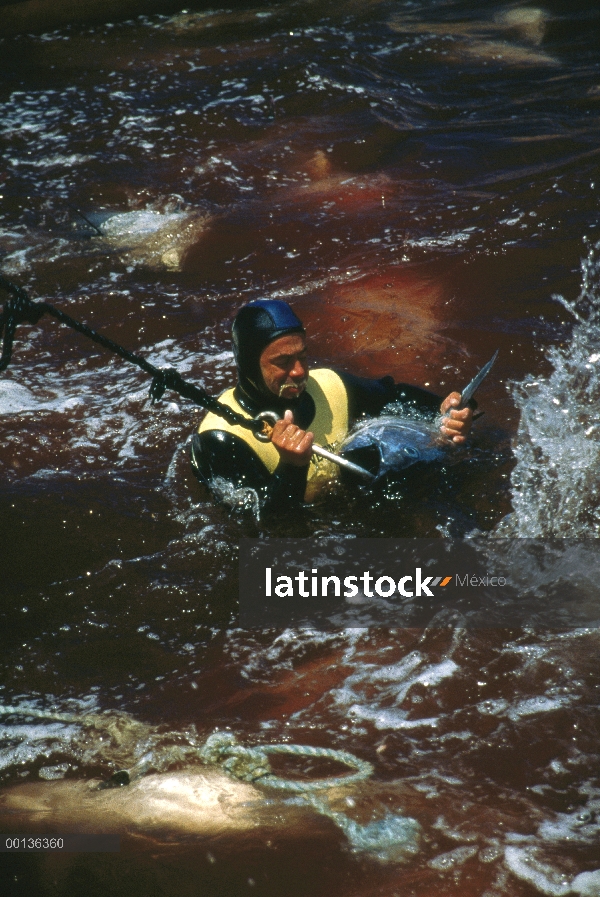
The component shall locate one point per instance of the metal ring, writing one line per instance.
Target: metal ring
(271, 417)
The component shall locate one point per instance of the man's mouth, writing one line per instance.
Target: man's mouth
(297, 387)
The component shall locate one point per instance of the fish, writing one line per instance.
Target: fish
(147, 237)
(198, 802)
(513, 37)
(391, 444)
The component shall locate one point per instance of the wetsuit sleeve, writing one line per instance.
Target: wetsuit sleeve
(231, 470)
(369, 397)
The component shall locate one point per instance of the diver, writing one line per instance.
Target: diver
(270, 351)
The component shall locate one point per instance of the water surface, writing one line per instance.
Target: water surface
(420, 180)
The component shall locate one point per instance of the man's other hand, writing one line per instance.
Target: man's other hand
(293, 444)
(456, 424)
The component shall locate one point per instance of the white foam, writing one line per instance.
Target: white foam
(492, 707)
(587, 884)
(382, 719)
(442, 241)
(391, 719)
(539, 704)
(361, 702)
(582, 825)
(523, 863)
(15, 398)
(50, 773)
(453, 858)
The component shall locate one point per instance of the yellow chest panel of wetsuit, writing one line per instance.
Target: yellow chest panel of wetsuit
(330, 426)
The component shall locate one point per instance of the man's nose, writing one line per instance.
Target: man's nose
(298, 371)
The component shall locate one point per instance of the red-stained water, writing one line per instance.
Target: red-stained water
(418, 180)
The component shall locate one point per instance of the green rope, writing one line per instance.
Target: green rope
(252, 764)
(391, 838)
(248, 764)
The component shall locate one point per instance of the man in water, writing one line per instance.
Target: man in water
(273, 375)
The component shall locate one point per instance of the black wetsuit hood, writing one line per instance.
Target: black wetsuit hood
(256, 326)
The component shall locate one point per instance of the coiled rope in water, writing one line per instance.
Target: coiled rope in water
(222, 749)
(390, 838)
(252, 764)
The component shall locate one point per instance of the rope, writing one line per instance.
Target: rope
(249, 764)
(252, 764)
(391, 838)
(19, 309)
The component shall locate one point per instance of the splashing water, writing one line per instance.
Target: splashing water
(555, 482)
(243, 498)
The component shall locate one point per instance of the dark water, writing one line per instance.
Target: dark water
(420, 180)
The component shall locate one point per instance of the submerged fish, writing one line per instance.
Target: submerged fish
(148, 237)
(392, 444)
(513, 37)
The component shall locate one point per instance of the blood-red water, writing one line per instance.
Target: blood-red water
(418, 180)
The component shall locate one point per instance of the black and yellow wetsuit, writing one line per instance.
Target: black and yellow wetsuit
(331, 402)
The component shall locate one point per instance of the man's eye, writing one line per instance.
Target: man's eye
(286, 360)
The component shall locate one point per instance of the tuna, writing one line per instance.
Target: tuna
(392, 444)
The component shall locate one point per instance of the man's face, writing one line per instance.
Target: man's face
(284, 366)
